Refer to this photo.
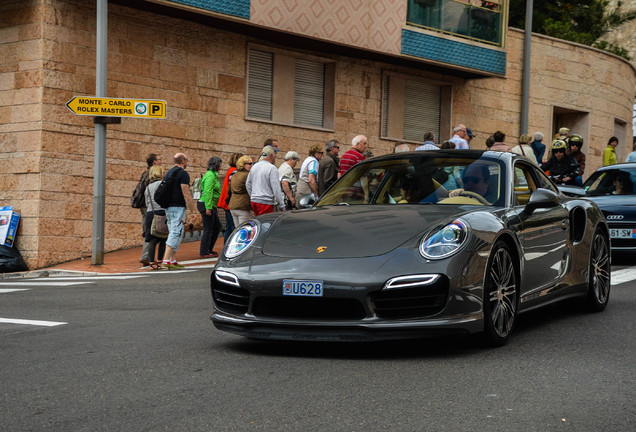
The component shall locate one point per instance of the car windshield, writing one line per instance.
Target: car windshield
(420, 178)
(619, 181)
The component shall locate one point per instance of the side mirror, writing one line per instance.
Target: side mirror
(307, 201)
(541, 198)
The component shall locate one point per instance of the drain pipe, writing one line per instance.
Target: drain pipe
(525, 91)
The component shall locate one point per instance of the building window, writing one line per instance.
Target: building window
(289, 89)
(412, 107)
(259, 90)
(471, 19)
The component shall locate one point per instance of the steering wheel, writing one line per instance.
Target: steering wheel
(474, 196)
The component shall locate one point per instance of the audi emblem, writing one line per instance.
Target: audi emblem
(615, 217)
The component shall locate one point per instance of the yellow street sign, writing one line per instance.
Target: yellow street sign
(112, 107)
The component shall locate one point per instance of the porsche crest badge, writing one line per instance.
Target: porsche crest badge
(321, 249)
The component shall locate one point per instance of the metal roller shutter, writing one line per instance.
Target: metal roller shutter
(259, 85)
(309, 93)
(421, 109)
(385, 103)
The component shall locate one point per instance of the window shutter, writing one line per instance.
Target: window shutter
(309, 93)
(384, 121)
(259, 85)
(421, 109)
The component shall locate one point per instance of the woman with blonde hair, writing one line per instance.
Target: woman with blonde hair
(155, 175)
(524, 149)
(239, 205)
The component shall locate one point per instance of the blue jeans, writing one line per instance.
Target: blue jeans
(176, 221)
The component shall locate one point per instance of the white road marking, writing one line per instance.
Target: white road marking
(31, 322)
(624, 275)
(8, 290)
(42, 282)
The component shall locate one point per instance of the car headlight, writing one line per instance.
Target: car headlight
(445, 241)
(242, 238)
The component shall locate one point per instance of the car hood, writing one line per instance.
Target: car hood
(350, 231)
(615, 204)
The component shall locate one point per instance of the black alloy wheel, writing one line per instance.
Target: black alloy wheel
(599, 273)
(501, 295)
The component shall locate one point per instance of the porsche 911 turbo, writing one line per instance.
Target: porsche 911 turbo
(411, 245)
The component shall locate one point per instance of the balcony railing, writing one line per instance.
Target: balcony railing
(471, 19)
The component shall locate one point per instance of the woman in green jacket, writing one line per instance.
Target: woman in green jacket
(609, 155)
(207, 206)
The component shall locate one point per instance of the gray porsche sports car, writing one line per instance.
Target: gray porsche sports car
(414, 244)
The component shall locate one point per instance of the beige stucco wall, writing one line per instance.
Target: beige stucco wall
(47, 56)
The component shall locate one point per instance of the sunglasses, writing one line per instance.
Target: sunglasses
(471, 179)
(558, 151)
(249, 163)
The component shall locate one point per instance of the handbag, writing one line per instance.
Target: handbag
(159, 225)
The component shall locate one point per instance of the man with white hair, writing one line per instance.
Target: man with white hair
(288, 180)
(263, 186)
(460, 137)
(353, 155)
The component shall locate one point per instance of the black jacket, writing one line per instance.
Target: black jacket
(566, 167)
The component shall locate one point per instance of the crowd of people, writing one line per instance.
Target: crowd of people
(255, 188)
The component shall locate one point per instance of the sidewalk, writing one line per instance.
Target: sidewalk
(122, 261)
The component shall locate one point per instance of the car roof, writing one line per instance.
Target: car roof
(630, 165)
(476, 154)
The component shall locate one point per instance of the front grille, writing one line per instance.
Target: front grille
(308, 308)
(625, 243)
(232, 299)
(414, 302)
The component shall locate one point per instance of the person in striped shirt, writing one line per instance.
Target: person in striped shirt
(353, 155)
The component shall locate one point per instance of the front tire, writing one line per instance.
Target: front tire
(501, 296)
(598, 290)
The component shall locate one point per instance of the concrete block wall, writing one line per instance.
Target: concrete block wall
(47, 56)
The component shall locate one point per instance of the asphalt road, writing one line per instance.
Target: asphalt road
(140, 354)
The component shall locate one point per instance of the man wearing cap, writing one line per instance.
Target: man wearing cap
(263, 186)
(460, 137)
(270, 142)
(470, 136)
(328, 166)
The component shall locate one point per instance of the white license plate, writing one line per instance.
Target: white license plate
(622, 233)
(304, 288)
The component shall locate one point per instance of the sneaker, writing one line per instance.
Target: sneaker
(175, 266)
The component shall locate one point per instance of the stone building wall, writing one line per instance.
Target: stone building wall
(47, 56)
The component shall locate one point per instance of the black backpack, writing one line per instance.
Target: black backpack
(138, 200)
(164, 190)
